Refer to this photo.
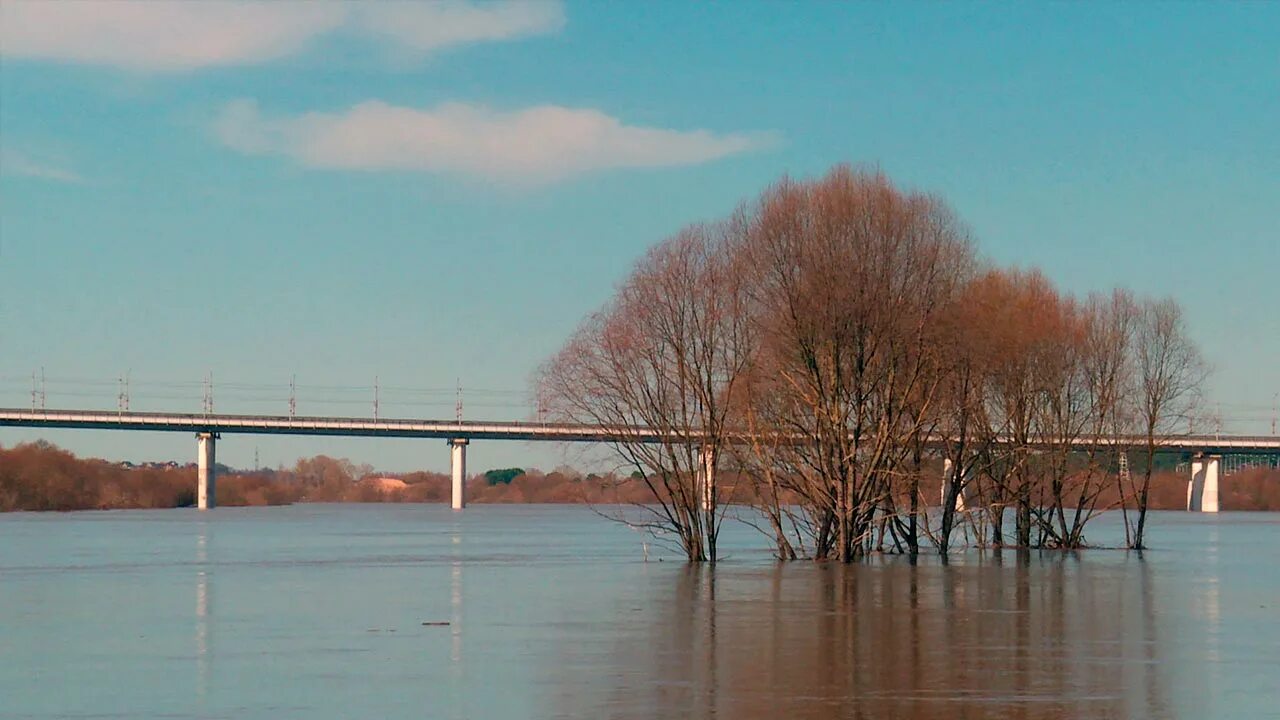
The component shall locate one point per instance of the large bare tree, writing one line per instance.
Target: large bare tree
(1169, 372)
(850, 277)
(666, 355)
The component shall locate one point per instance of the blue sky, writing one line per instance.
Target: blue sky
(434, 194)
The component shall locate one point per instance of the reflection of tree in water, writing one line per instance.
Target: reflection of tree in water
(1042, 637)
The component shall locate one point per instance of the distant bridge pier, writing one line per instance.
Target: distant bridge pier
(458, 458)
(1202, 489)
(947, 471)
(705, 479)
(206, 471)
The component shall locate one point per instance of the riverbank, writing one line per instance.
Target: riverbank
(43, 477)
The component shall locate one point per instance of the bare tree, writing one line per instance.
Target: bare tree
(665, 355)
(1169, 371)
(1021, 309)
(1083, 383)
(963, 425)
(850, 278)
(1105, 344)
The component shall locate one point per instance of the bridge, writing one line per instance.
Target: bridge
(1202, 490)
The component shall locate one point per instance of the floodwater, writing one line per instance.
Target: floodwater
(400, 611)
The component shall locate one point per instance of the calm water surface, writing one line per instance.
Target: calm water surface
(318, 611)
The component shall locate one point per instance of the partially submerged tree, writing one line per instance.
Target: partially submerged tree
(850, 276)
(666, 355)
(1169, 372)
(963, 426)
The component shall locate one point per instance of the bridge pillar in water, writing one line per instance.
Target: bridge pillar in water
(458, 466)
(947, 470)
(206, 471)
(1202, 489)
(705, 478)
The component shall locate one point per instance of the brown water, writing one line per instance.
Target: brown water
(318, 612)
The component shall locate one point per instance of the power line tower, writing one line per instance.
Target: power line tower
(1275, 411)
(458, 406)
(1124, 469)
(38, 396)
(375, 398)
(122, 399)
(293, 396)
(208, 393)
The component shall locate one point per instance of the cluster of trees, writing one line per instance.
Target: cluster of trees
(503, 476)
(829, 337)
(41, 476)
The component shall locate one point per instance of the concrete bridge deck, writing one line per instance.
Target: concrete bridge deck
(497, 430)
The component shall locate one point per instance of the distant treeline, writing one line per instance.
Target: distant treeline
(42, 476)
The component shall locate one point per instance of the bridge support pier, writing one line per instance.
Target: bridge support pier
(947, 470)
(705, 480)
(458, 463)
(206, 471)
(1202, 490)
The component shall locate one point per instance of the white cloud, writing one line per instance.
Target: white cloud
(538, 144)
(16, 163)
(423, 27)
(177, 35)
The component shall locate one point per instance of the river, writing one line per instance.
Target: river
(412, 611)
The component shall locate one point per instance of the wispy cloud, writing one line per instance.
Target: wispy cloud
(426, 27)
(534, 145)
(180, 35)
(16, 163)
